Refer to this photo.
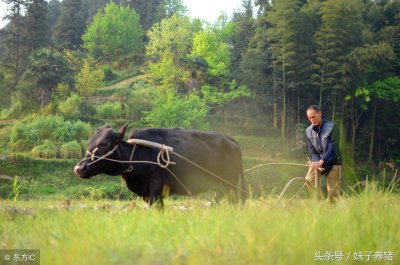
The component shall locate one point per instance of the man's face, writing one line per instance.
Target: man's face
(314, 117)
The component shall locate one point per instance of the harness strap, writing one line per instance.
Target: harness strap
(130, 159)
(93, 156)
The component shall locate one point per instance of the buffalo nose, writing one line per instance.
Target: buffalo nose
(77, 170)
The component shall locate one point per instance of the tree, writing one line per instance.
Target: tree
(173, 110)
(365, 65)
(242, 33)
(210, 46)
(284, 20)
(170, 41)
(340, 32)
(149, 11)
(70, 26)
(114, 34)
(53, 12)
(88, 79)
(46, 68)
(15, 42)
(37, 27)
(381, 93)
(171, 7)
(4, 92)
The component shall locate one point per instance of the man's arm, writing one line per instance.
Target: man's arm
(314, 155)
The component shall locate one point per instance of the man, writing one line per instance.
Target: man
(322, 141)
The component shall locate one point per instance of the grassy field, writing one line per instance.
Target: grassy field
(191, 231)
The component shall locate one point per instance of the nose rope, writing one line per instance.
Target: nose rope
(93, 156)
(92, 153)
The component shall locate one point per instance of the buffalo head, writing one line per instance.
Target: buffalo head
(103, 143)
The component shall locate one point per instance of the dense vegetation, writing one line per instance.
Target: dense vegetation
(69, 67)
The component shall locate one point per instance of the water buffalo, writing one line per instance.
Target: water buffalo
(199, 161)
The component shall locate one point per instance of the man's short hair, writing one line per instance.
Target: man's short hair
(314, 107)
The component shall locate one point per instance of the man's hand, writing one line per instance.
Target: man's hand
(317, 165)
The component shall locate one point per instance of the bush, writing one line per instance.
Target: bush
(45, 150)
(74, 107)
(137, 100)
(108, 73)
(71, 150)
(35, 131)
(171, 110)
(110, 110)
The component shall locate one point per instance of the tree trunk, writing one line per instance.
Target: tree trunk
(298, 105)
(354, 125)
(371, 144)
(322, 79)
(275, 103)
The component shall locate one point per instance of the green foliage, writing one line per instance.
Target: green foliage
(172, 110)
(210, 46)
(88, 79)
(35, 131)
(137, 100)
(388, 89)
(219, 99)
(109, 75)
(46, 68)
(68, 30)
(74, 107)
(22, 103)
(37, 24)
(336, 37)
(71, 150)
(16, 188)
(110, 110)
(369, 63)
(46, 149)
(284, 19)
(169, 43)
(115, 33)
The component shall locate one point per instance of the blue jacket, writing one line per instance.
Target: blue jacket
(323, 144)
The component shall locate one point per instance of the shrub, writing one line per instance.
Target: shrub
(45, 150)
(34, 131)
(110, 110)
(109, 75)
(70, 107)
(74, 107)
(137, 100)
(71, 150)
(88, 79)
(171, 110)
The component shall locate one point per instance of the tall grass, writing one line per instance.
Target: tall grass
(189, 232)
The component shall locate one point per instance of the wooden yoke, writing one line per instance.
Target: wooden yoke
(151, 144)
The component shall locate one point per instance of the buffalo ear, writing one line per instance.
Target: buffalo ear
(120, 135)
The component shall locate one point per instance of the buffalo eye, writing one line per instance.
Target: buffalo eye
(103, 145)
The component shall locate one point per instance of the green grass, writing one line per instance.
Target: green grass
(54, 179)
(188, 231)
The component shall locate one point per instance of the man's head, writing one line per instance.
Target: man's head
(314, 115)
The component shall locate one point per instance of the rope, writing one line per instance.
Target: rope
(165, 160)
(269, 164)
(289, 183)
(130, 168)
(179, 181)
(209, 172)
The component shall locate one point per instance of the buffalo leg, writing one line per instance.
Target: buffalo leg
(156, 193)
